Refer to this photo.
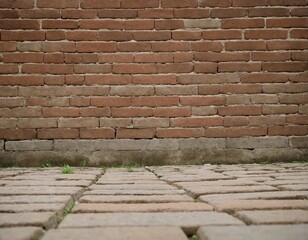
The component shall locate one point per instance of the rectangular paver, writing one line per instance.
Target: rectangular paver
(119, 233)
(281, 232)
(21, 233)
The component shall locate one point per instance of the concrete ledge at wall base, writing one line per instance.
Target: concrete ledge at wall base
(152, 152)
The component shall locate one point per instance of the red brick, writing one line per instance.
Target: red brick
(202, 100)
(97, 133)
(300, 56)
(239, 67)
(133, 68)
(100, 4)
(47, 102)
(239, 110)
(242, 23)
(299, 33)
(221, 57)
(117, 13)
(215, 3)
(197, 122)
(79, 101)
(17, 4)
(155, 101)
(169, 24)
(153, 57)
(286, 22)
(96, 47)
(191, 13)
(209, 89)
(116, 58)
(186, 35)
(284, 66)
(8, 46)
(74, 80)
(60, 112)
(299, 77)
(8, 68)
(287, 130)
(132, 112)
(40, 13)
(175, 68)
(266, 34)
(179, 132)
(57, 4)
(154, 79)
(182, 57)
(139, 24)
(81, 35)
(22, 57)
(94, 112)
(115, 36)
(47, 68)
(250, 3)
(92, 68)
(236, 132)
(9, 14)
(288, 2)
(221, 34)
(296, 119)
(101, 24)
(299, 12)
(55, 35)
(54, 80)
(151, 35)
(268, 12)
(89, 58)
(21, 80)
(271, 56)
(267, 120)
(279, 109)
(59, 24)
(139, 3)
(179, 4)
(205, 67)
(10, 24)
(228, 13)
(155, 13)
(170, 46)
(111, 101)
(134, 47)
(53, 58)
(235, 121)
(135, 133)
(108, 79)
(207, 46)
(287, 45)
(17, 134)
(245, 45)
(57, 133)
(172, 112)
(79, 14)
(21, 112)
(263, 78)
(22, 35)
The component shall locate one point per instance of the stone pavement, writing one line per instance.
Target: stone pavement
(209, 202)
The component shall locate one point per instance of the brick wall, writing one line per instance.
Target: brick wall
(228, 75)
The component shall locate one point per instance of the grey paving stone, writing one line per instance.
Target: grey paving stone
(29, 145)
(294, 187)
(202, 143)
(134, 192)
(137, 186)
(35, 199)
(42, 219)
(231, 182)
(194, 178)
(258, 195)
(72, 183)
(189, 221)
(127, 233)
(32, 207)
(281, 232)
(46, 176)
(274, 216)
(1, 145)
(237, 205)
(21, 233)
(39, 190)
(259, 142)
(134, 199)
(141, 207)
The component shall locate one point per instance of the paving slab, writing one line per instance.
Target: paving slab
(21, 233)
(281, 232)
(35, 199)
(136, 186)
(32, 207)
(134, 192)
(274, 216)
(141, 207)
(134, 198)
(294, 187)
(127, 233)
(188, 221)
(42, 219)
(72, 183)
(40, 190)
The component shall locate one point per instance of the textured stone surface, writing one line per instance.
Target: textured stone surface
(21, 233)
(116, 233)
(270, 232)
(32, 207)
(263, 142)
(29, 145)
(35, 199)
(141, 207)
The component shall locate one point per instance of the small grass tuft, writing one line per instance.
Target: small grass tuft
(46, 165)
(67, 170)
(193, 237)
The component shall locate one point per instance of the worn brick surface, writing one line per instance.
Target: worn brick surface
(283, 232)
